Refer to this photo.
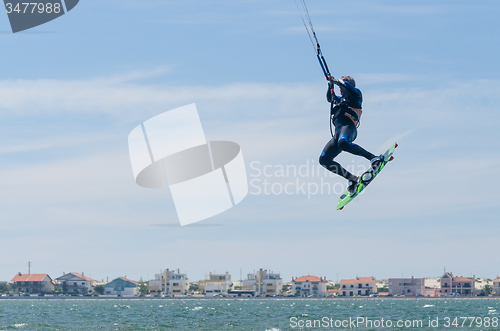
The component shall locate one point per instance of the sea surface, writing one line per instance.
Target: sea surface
(254, 314)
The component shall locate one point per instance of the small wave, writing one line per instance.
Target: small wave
(197, 308)
(20, 325)
(273, 329)
(492, 311)
(427, 306)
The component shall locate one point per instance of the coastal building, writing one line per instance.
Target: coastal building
(76, 283)
(333, 292)
(122, 286)
(169, 283)
(496, 286)
(263, 283)
(33, 283)
(215, 284)
(358, 286)
(309, 285)
(407, 286)
(458, 285)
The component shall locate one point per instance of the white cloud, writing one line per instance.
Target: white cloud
(53, 142)
(274, 123)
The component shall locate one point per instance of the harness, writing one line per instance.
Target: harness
(354, 114)
(340, 108)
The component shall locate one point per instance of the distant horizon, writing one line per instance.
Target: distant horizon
(328, 279)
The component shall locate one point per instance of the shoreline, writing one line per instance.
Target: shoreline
(235, 299)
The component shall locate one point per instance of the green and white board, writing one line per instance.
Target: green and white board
(345, 198)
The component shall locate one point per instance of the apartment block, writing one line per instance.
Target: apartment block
(264, 283)
(169, 283)
(215, 284)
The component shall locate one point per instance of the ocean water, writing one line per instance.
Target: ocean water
(264, 315)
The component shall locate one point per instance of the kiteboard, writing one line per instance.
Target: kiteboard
(366, 179)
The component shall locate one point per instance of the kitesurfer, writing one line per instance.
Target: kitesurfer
(345, 114)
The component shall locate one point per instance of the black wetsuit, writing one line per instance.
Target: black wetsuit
(345, 129)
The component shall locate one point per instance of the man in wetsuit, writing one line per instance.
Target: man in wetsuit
(345, 114)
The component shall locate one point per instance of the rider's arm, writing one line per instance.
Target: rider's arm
(345, 84)
(330, 94)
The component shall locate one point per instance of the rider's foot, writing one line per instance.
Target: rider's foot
(376, 162)
(367, 177)
(353, 185)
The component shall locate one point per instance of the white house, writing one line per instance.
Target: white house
(309, 285)
(75, 282)
(358, 286)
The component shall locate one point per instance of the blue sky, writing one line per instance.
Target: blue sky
(71, 91)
